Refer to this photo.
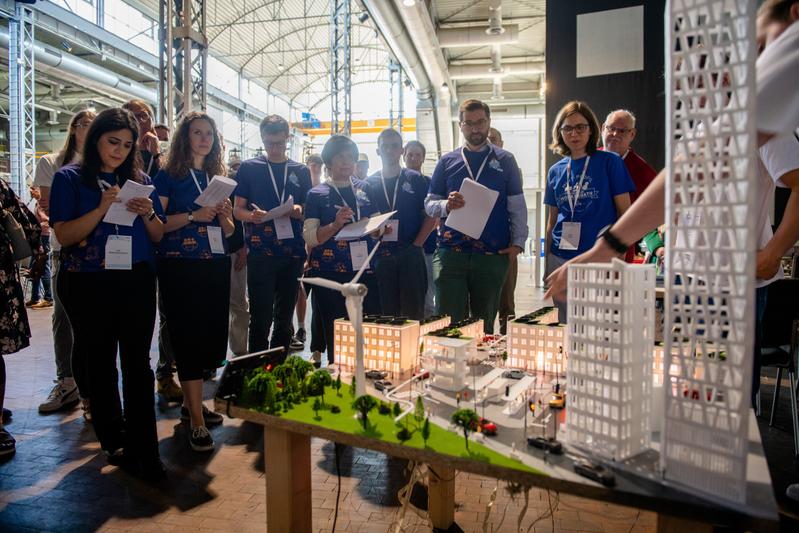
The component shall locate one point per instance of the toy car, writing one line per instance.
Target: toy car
(550, 445)
(513, 374)
(384, 385)
(375, 374)
(557, 400)
(596, 472)
(487, 427)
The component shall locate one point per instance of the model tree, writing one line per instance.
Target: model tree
(466, 419)
(317, 405)
(364, 405)
(397, 409)
(426, 430)
(352, 387)
(337, 385)
(326, 380)
(418, 413)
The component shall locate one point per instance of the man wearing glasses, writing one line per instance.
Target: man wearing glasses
(275, 247)
(618, 133)
(469, 273)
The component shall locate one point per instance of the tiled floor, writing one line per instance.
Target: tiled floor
(58, 481)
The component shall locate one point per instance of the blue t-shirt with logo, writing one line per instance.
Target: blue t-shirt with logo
(605, 178)
(70, 199)
(333, 255)
(500, 173)
(190, 241)
(255, 185)
(411, 190)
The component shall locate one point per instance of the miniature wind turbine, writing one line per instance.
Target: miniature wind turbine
(354, 294)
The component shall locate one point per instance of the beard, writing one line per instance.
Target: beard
(477, 138)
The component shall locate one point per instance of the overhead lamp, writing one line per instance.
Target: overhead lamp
(409, 3)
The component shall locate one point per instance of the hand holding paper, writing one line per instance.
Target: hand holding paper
(480, 201)
(118, 212)
(363, 227)
(219, 189)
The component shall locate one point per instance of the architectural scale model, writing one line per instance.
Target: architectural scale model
(390, 347)
(611, 338)
(710, 255)
(536, 342)
(433, 323)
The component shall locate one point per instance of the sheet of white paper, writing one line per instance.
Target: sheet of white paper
(217, 191)
(472, 217)
(118, 213)
(363, 227)
(282, 210)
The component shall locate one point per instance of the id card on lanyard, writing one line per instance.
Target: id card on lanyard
(393, 235)
(214, 232)
(359, 250)
(283, 228)
(570, 230)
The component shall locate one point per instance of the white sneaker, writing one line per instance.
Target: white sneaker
(65, 392)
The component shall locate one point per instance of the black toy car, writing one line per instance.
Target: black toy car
(384, 385)
(550, 445)
(375, 374)
(596, 472)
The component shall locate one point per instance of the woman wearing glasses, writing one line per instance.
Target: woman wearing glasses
(586, 191)
(148, 145)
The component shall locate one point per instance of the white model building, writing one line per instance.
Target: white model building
(611, 336)
(538, 346)
(432, 324)
(710, 253)
(390, 348)
(446, 358)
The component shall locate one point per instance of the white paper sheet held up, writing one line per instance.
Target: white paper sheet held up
(472, 217)
(282, 210)
(363, 227)
(118, 213)
(217, 191)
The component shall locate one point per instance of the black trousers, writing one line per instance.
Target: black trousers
(114, 311)
(318, 343)
(272, 284)
(331, 303)
(402, 278)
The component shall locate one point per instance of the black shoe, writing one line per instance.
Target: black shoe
(152, 469)
(7, 443)
(119, 458)
(300, 336)
(7, 414)
(200, 440)
(296, 344)
(209, 417)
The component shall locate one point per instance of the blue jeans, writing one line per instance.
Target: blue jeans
(44, 281)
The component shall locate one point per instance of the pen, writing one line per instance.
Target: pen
(255, 206)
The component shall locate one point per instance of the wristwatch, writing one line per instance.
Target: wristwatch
(151, 214)
(191, 217)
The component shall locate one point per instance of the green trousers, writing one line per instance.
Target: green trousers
(469, 284)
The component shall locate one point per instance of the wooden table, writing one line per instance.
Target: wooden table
(287, 455)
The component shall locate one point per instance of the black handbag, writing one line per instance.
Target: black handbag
(16, 237)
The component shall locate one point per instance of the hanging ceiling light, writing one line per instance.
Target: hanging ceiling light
(409, 3)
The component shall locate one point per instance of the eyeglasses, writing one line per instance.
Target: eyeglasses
(480, 124)
(615, 130)
(142, 116)
(579, 129)
(274, 144)
(83, 124)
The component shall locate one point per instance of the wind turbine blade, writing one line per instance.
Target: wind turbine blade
(322, 282)
(366, 264)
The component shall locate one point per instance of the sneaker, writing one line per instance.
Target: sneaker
(201, 440)
(42, 304)
(316, 359)
(170, 390)
(7, 443)
(31, 303)
(65, 392)
(300, 336)
(296, 344)
(87, 410)
(7, 414)
(209, 417)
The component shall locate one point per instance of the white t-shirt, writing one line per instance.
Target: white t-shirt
(777, 157)
(778, 84)
(45, 170)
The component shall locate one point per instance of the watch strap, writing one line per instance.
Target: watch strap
(614, 241)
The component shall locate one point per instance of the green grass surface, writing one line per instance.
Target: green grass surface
(384, 428)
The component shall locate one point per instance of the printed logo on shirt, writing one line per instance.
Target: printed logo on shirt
(255, 241)
(588, 194)
(361, 196)
(407, 187)
(494, 163)
(190, 244)
(294, 179)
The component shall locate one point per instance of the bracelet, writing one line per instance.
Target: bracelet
(614, 241)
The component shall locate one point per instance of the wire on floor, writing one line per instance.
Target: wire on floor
(338, 489)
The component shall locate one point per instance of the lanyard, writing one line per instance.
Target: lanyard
(391, 203)
(573, 200)
(357, 207)
(196, 183)
(625, 154)
(150, 164)
(280, 198)
(469, 169)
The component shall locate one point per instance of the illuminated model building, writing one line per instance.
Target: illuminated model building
(392, 348)
(536, 342)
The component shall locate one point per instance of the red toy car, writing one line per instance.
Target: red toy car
(486, 427)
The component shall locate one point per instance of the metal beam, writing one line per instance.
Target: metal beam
(22, 125)
(340, 67)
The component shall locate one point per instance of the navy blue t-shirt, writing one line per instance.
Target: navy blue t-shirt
(605, 178)
(255, 186)
(332, 255)
(500, 173)
(410, 194)
(190, 241)
(71, 199)
(430, 244)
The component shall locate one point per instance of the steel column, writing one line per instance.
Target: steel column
(340, 67)
(21, 97)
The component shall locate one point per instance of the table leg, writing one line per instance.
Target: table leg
(441, 496)
(288, 481)
(672, 524)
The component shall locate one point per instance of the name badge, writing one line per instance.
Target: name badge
(393, 235)
(119, 252)
(359, 252)
(570, 236)
(283, 228)
(215, 239)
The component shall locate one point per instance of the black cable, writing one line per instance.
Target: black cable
(338, 490)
